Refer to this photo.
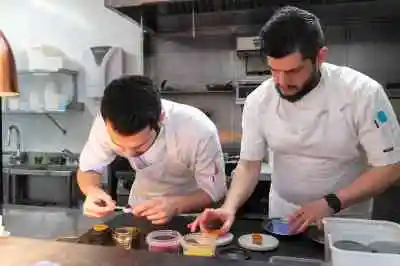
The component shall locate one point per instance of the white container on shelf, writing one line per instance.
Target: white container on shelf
(51, 95)
(362, 231)
(49, 58)
(36, 101)
(13, 104)
(63, 101)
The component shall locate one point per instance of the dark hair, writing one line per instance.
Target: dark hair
(131, 103)
(290, 30)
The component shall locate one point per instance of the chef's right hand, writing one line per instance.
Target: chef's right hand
(98, 203)
(226, 216)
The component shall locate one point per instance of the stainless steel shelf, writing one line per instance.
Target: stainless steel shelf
(77, 106)
(47, 72)
(73, 106)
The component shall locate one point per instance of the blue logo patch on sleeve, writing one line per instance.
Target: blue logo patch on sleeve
(382, 117)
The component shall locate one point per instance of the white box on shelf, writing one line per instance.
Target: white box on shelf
(363, 231)
(48, 58)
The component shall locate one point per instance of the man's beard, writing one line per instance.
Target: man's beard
(310, 84)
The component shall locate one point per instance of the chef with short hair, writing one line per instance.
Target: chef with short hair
(173, 148)
(334, 136)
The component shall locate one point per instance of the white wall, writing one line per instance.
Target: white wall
(72, 26)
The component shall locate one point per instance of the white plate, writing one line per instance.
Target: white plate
(224, 240)
(268, 243)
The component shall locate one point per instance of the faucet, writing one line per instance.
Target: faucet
(16, 156)
(70, 156)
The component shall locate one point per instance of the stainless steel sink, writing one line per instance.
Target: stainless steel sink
(41, 166)
(39, 169)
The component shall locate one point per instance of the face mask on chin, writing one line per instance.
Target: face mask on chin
(308, 86)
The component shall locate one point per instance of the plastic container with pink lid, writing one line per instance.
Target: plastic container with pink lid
(164, 241)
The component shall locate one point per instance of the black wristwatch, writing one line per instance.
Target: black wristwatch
(333, 202)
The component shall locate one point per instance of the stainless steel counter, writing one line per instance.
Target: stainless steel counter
(49, 170)
(12, 173)
(46, 222)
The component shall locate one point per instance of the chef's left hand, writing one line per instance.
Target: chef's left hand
(157, 210)
(310, 214)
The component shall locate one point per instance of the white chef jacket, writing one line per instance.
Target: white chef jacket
(186, 155)
(323, 142)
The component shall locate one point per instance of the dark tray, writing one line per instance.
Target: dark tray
(145, 227)
(105, 239)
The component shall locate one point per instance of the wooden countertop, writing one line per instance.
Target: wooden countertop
(16, 251)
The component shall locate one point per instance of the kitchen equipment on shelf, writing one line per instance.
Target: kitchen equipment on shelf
(245, 87)
(228, 86)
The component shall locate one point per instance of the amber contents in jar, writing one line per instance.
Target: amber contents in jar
(213, 227)
(99, 234)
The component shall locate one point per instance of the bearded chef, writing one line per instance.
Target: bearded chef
(173, 148)
(332, 131)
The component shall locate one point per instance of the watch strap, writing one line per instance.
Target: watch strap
(333, 202)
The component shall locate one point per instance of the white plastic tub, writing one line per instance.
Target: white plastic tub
(364, 232)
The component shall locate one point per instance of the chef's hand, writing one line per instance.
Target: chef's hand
(98, 203)
(310, 214)
(158, 210)
(226, 216)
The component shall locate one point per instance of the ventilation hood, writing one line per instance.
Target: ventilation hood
(245, 17)
(122, 3)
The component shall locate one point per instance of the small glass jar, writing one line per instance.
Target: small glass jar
(164, 241)
(123, 236)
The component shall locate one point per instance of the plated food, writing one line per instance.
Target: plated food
(258, 242)
(257, 239)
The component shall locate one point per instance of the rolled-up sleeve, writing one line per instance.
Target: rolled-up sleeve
(378, 127)
(97, 153)
(253, 145)
(210, 168)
